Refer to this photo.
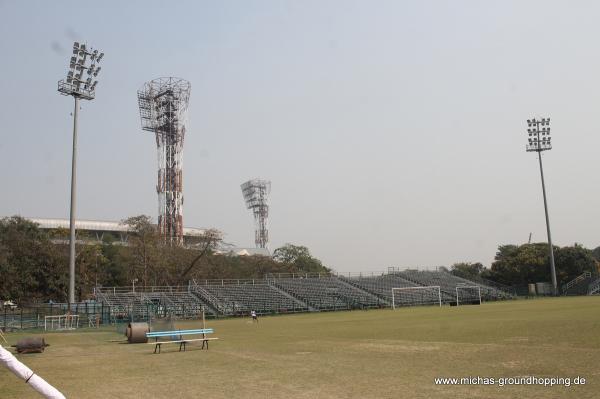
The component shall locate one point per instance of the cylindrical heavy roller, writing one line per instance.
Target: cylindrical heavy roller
(136, 333)
(31, 345)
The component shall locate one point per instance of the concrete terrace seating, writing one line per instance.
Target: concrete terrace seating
(178, 303)
(124, 304)
(278, 294)
(244, 296)
(448, 283)
(327, 293)
(142, 304)
(426, 278)
(488, 293)
(381, 285)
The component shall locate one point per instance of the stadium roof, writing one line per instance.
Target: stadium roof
(99, 225)
(234, 251)
(97, 228)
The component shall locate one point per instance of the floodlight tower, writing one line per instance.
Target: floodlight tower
(163, 106)
(76, 85)
(255, 194)
(538, 141)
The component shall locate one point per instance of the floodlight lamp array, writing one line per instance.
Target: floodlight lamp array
(538, 138)
(83, 60)
(255, 193)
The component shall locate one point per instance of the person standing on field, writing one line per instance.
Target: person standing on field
(254, 316)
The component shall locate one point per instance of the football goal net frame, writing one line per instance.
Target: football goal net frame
(472, 298)
(396, 291)
(61, 322)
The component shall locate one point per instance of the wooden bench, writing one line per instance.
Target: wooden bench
(177, 337)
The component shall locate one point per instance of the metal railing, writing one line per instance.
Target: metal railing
(33, 315)
(272, 276)
(208, 297)
(594, 287)
(140, 288)
(230, 281)
(575, 281)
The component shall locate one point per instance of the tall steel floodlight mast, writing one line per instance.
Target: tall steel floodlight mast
(163, 109)
(76, 85)
(256, 193)
(538, 141)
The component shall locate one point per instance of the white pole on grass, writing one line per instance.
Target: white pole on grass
(24, 372)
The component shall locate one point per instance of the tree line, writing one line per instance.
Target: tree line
(517, 265)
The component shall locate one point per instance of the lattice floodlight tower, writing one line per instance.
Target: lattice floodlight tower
(163, 109)
(256, 193)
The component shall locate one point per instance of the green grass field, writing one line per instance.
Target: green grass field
(359, 354)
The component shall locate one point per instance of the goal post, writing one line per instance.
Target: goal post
(468, 294)
(410, 296)
(61, 322)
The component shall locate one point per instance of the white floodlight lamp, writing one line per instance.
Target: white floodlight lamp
(75, 84)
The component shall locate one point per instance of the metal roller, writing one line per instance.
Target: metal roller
(136, 333)
(31, 345)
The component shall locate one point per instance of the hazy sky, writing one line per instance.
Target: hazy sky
(393, 132)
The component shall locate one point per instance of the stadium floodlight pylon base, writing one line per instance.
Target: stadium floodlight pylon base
(473, 292)
(428, 295)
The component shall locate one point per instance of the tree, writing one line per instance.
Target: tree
(596, 253)
(518, 265)
(573, 261)
(207, 244)
(530, 263)
(470, 271)
(289, 253)
(299, 257)
(143, 240)
(31, 267)
(113, 265)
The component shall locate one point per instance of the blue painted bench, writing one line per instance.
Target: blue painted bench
(179, 337)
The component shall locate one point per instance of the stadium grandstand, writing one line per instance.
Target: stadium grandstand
(281, 293)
